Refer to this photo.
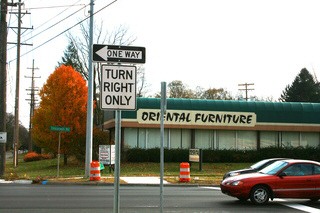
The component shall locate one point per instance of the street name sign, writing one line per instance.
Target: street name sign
(60, 128)
(119, 54)
(118, 87)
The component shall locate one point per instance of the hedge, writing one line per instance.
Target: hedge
(221, 156)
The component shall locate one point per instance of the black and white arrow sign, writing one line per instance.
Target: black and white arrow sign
(120, 54)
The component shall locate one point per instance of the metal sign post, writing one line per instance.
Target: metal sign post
(116, 206)
(59, 129)
(58, 164)
(163, 111)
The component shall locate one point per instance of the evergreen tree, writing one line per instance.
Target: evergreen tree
(71, 58)
(304, 88)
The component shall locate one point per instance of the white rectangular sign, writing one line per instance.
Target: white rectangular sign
(118, 87)
(3, 137)
(107, 154)
(209, 118)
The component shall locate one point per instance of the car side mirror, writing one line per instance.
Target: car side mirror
(282, 174)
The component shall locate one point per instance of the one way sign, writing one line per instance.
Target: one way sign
(120, 54)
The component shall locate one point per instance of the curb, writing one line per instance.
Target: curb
(101, 183)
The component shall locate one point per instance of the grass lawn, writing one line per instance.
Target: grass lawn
(211, 173)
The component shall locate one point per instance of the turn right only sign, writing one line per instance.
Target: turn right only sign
(118, 87)
(120, 54)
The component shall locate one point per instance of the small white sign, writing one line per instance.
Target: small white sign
(107, 154)
(3, 137)
(118, 87)
(194, 155)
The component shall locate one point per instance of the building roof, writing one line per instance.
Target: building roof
(269, 112)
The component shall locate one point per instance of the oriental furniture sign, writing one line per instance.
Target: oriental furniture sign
(210, 118)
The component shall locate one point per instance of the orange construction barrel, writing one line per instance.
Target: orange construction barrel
(95, 170)
(185, 172)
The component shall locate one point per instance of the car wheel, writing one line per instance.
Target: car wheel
(259, 195)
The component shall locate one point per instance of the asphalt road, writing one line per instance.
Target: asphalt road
(18, 198)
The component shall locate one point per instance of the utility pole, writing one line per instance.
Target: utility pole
(32, 100)
(16, 108)
(89, 124)
(3, 81)
(246, 88)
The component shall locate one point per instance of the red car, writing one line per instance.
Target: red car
(282, 179)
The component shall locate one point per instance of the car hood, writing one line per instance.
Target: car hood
(242, 170)
(246, 177)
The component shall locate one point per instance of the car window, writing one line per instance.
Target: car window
(307, 168)
(299, 170)
(259, 164)
(274, 168)
(316, 170)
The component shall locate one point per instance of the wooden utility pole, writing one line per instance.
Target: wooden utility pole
(3, 81)
(32, 100)
(246, 88)
(17, 96)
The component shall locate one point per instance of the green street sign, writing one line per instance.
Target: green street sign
(60, 128)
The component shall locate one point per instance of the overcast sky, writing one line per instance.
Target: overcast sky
(206, 43)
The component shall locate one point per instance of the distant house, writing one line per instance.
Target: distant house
(219, 124)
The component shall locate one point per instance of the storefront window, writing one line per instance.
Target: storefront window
(130, 137)
(246, 140)
(268, 139)
(175, 138)
(186, 138)
(142, 138)
(310, 139)
(226, 139)
(290, 139)
(203, 139)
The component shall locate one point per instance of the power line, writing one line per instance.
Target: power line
(63, 31)
(51, 25)
(45, 22)
(55, 24)
(51, 7)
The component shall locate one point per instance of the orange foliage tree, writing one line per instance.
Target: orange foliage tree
(63, 103)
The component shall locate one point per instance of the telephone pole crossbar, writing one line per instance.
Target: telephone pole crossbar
(246, 88)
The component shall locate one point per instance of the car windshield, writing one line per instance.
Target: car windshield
(274, 168)
(259, 164)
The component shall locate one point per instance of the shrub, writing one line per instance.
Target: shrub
(32, 156)
(222, 156)
(46, 156)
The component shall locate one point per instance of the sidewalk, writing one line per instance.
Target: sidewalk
(128, 180)
(143, 180)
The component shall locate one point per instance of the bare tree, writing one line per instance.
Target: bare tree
(119, 36)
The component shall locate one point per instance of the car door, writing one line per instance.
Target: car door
(316, 177)
(296, 181)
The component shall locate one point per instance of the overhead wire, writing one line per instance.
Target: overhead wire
(45, 22)
(65, 30)
(51, 25)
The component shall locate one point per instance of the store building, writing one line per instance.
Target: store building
(219, 124)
